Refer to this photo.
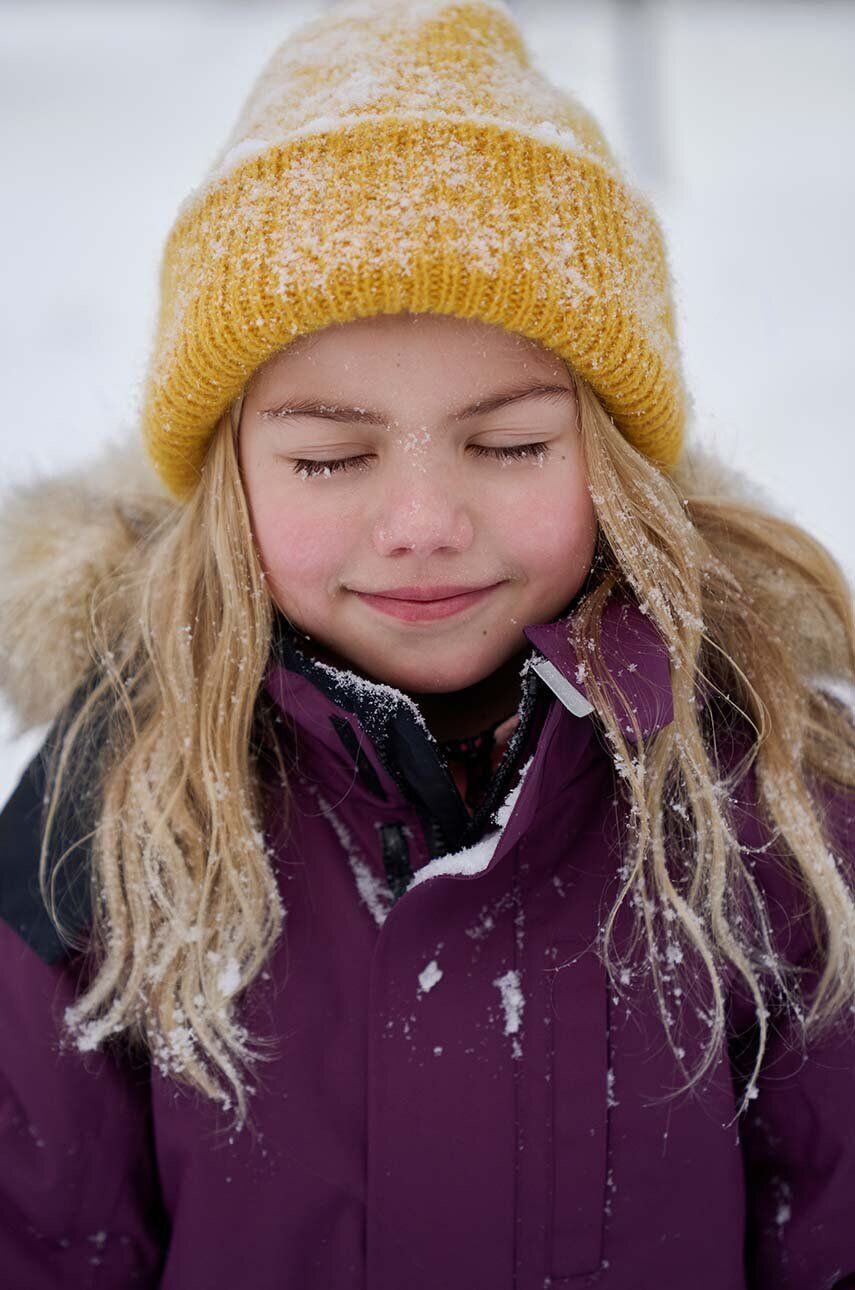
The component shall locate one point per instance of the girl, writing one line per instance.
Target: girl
(439, 869)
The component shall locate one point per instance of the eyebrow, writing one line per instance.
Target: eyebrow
(365, 416)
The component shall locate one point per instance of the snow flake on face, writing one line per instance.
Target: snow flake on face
(429, 976)
(513, 1002)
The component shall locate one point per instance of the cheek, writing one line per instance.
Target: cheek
(299, 549)
(553, 527)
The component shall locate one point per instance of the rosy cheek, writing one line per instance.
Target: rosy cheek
(298, 548)
(560, 527)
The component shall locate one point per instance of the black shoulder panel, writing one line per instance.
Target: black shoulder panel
(21, 904)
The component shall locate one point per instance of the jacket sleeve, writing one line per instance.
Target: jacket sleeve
(798, 1134)
(79, 1199)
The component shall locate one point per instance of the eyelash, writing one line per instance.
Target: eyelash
(308, 469)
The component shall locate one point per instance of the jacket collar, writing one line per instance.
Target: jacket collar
(634, 653)
(375, 734)
(636, 659)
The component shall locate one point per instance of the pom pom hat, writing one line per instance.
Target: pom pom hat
(406, 155)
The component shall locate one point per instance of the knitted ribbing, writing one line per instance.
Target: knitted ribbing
(408, 156)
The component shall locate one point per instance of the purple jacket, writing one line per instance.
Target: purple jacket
(459, 1101)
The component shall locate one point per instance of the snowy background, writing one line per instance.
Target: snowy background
(736, 117)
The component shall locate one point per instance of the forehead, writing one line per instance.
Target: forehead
(460, 345)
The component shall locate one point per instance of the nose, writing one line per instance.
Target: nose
(422, 514)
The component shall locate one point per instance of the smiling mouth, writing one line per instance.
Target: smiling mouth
(427, 594)
(412, 609)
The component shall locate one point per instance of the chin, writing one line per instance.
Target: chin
(427, 680)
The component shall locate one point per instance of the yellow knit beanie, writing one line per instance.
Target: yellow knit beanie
(406, 155)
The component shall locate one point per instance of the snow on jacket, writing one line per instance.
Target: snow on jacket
(459, 1100)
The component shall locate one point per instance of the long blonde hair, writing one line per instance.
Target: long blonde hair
(185, 910)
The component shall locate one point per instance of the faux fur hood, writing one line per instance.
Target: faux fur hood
(59, 536)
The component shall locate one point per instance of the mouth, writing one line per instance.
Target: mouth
(411, 604)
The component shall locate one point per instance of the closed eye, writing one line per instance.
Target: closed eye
(512, 452)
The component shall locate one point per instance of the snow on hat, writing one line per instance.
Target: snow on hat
(406, 155)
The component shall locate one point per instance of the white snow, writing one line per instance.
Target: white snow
(246, 150)
(372, 69)
(88, 1035)
(512, 999)
(470, 860)
(513, 1002)
(782, 1192)
(229, 978)
(673, 953)
(486, 922)
(429, 976)
(504, 812)
(385, 697)
(372, 889)
(415, 10)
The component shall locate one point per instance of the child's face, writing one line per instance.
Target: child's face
(425, 508)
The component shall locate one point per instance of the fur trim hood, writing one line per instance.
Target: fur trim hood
(60, 536)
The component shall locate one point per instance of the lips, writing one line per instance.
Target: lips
(422, 594)
(425, 604)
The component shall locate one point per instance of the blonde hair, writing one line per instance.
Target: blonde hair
(185, 904)
(185, 907)
(757, 611)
